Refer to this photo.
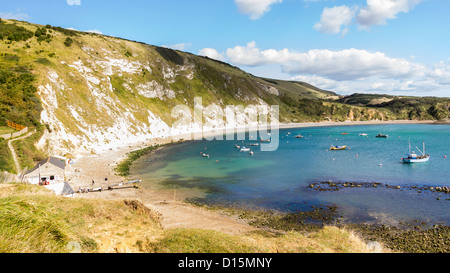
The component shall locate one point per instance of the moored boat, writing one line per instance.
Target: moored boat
(412, 157)
(337, 148)
(381, 136)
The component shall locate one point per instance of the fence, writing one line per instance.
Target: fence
(15, 126)
(22, 130)
(16, 134)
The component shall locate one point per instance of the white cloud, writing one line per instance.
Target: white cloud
(321, 82)
(180, 46)
(345, 71)
(74, 2)
(94, 31)
(255, 8)
(211, 53)
(16, 16)
(91, 30)
(440, 72)
(333, 19)
(378, 11)
(348, 64)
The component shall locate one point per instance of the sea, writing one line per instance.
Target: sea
(280, 180)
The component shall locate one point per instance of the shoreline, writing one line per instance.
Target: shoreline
(172, 208)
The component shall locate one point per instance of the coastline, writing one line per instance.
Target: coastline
(173, 211)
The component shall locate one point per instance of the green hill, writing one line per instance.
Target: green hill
(85, 92)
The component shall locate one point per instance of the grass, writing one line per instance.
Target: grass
(6, 130)
(33, 220)
(123, 168)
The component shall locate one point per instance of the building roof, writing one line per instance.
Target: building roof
(60, 163)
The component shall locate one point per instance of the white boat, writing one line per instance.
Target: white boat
(245, 149)
(254, 144)
(205, 155)
(363, 134)
(251, 152)
(412, 157)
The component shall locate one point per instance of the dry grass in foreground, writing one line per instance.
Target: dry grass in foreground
(33, 220)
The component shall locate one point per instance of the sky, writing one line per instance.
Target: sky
(397, 47)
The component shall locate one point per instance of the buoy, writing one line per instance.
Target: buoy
(445, 156)
(357, 156)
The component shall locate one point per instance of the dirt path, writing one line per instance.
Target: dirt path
(13, 152)
(174, 213)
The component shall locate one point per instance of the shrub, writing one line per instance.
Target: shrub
(68, 42)
(15, 33)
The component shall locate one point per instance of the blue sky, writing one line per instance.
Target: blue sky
(399, 47)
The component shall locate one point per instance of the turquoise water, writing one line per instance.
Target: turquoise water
(280, 179)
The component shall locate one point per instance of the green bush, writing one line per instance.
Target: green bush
(68, 42)
(41, 34)
(15, 33)
(123, 169)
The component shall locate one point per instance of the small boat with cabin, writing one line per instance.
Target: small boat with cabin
(412, 157)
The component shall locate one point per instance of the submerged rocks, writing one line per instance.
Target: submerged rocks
(336, 186)
(443, 189)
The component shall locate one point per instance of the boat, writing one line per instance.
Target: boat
(363, 134)
(254, 144)
(245, 149)
(381, 136)
(344, 134)
(251, 152)
(412, 157)
(299, 136)
(337, 148)
(205, 155)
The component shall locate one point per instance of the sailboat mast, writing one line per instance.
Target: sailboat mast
(410, 145)
(424, 148)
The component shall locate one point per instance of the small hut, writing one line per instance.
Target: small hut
(48, 171)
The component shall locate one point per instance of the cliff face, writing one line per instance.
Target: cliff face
(95, 92)
(99, 92)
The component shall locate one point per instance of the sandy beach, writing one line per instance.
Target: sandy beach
(173, 211)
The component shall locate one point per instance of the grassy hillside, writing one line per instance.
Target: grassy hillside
(85, 93)
(412, 108)
(33, 220)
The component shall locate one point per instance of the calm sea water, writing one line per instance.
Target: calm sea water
(279, 180)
